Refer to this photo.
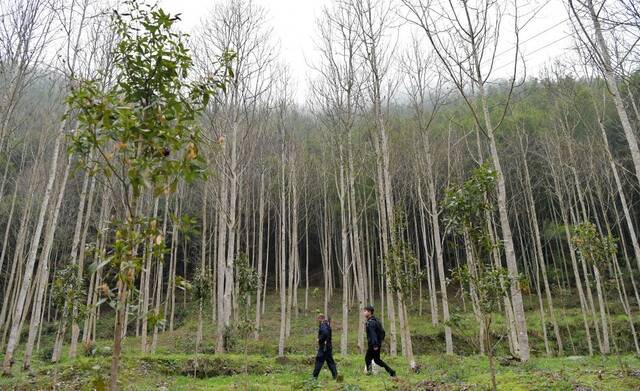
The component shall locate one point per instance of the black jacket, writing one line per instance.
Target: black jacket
(324, 335)
(374, 339)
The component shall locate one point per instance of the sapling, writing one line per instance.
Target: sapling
(67, 292)
(140, 133)
(404, 277)
(596, 251)
(201, 292)
(247, 280)
(465, 208)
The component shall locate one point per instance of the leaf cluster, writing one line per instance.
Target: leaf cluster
(201, 284)
(142, 128)
(490, 285)
(401, 263)
(67, 290)
(594, 248)
(465, 207)
(246, 277)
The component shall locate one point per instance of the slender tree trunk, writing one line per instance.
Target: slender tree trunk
(437, 242)
(539, 255)
(75, 328)
(282, 247)
(606, 349)
(14, 335)
(293, 244)
(507, 238)
(344, 254)
(357, 261)
(603, 57)
(159, 277)
(221, 273)
(572, 255)
(147, 282)
(43, 270)
(259, 259)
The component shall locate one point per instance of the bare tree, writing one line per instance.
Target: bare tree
(590, 20)
(26, 29)
(337, 97)
(238, 27)
(426, 94)
(467, 51)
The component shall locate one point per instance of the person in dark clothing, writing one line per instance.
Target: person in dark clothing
(375, 337)
(325, 352)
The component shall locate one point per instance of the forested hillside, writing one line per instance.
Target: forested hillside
(159, 187)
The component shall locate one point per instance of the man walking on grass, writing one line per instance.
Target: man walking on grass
(325, 352)
(375, 337)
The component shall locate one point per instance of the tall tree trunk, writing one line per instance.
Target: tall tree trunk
(539, 254)
(507, 238)
(282, 247)
(344, 253)
(147, 282)
(159, 278)
(43, 271)
(602, 55)
(354, 228)
(75, 329)
(574, 263)
(259, 259)
(437, 242)
(223, 212)
(231, 227)
(14, 335)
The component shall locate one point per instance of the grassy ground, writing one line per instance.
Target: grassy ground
(176, 367)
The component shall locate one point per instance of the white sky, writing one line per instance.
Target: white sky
(545, 38)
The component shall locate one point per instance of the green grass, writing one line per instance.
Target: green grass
(176, 372)
(175, 367)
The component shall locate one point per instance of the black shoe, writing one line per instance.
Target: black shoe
(392, 373)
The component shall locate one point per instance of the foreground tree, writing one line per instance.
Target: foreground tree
(596, 251)
(140, 134)
(465, 207)
(404, 277)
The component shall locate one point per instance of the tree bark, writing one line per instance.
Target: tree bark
(14, 335)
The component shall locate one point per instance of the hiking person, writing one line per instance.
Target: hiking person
(325, 352)
(375, 337)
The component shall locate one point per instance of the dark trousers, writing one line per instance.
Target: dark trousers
(374, 355)
(325, 354)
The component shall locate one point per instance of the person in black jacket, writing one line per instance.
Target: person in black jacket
(375, 336)
(325, 352)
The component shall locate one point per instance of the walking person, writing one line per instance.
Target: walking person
(325, 352)
(375, 337)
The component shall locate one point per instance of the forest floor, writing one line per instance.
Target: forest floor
(175, 366)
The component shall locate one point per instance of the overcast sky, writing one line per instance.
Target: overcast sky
(544, 38)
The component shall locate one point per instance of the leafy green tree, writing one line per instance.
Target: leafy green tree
(402, 264)
(465, 208)
(141, 133)
(597, 251)
(201, 292)
(67, 292)
(403, 276)
(247, 280)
